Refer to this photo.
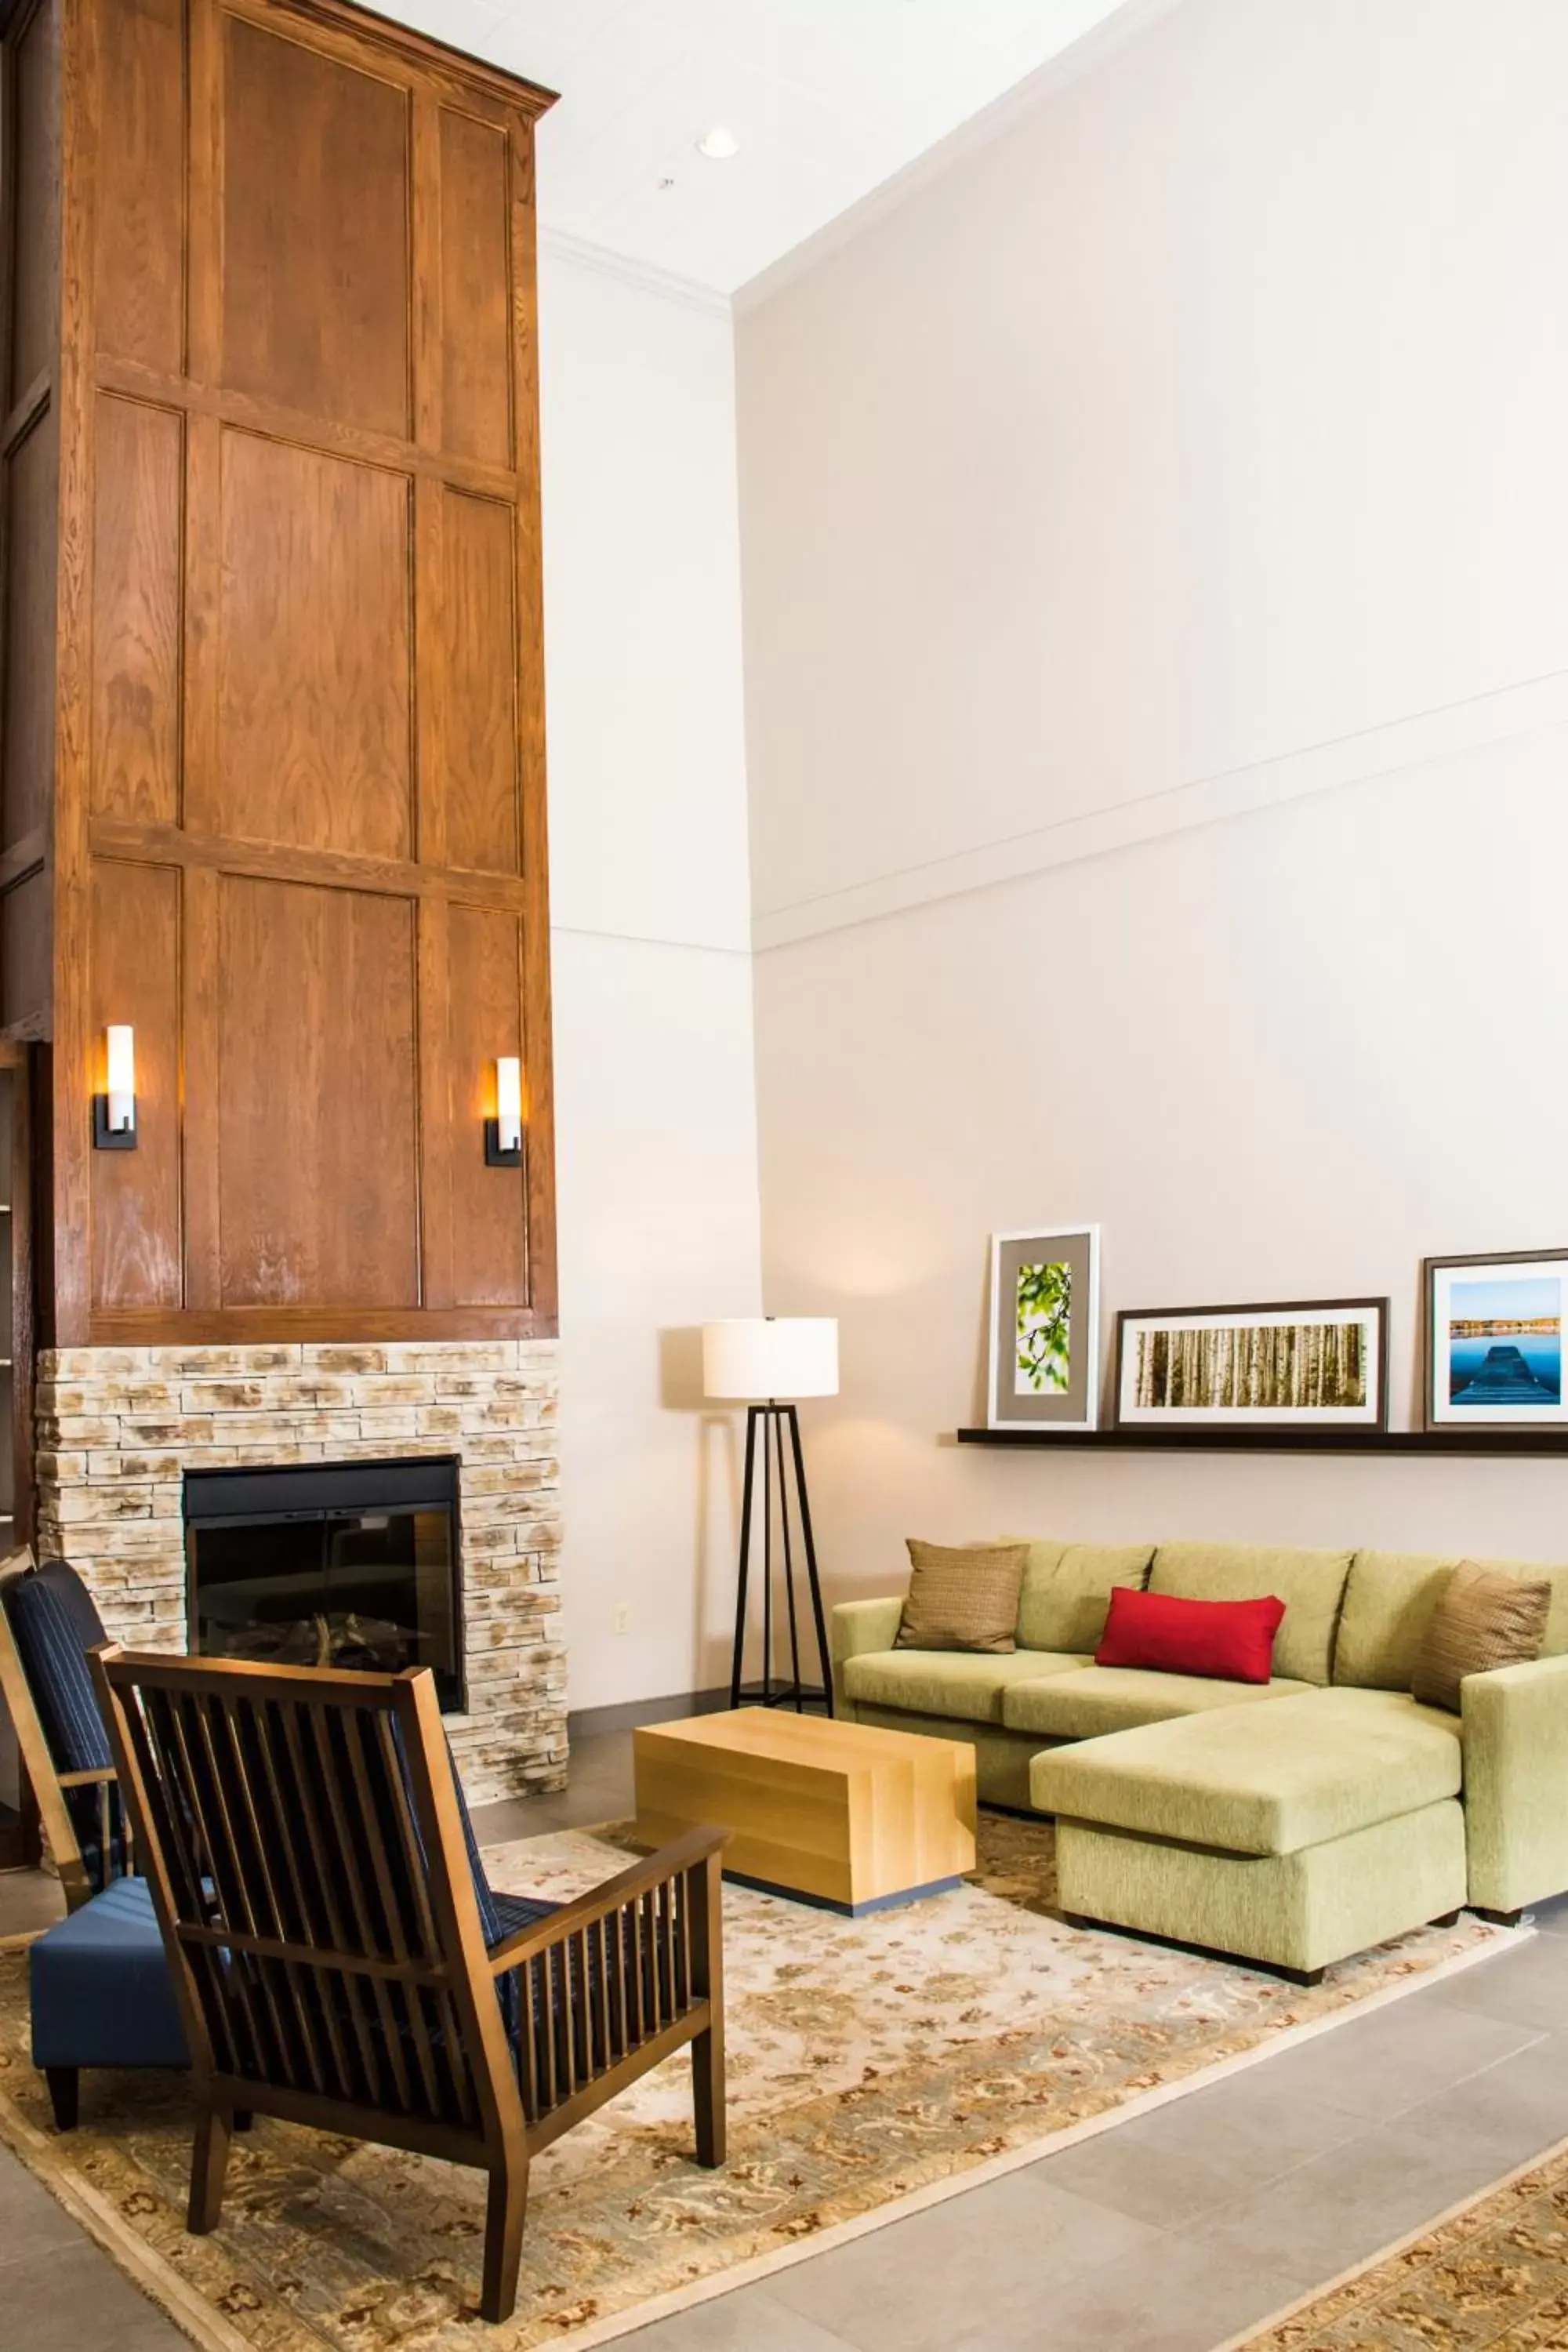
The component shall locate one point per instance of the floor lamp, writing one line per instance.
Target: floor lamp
(768, 1361)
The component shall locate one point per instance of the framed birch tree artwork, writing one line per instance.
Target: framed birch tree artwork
(1044, 1354)
(1300, 1363)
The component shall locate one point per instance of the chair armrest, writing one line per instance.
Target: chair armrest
(855, 1628)
(688, 1853)
(1515, 1723)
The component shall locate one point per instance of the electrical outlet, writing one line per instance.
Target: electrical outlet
(621, 1617)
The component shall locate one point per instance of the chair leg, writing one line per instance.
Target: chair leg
(707, 2094)
(243, 2119)
(209, 2160)
(65, 2088)
(504, 2211)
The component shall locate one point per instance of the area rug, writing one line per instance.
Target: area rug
(876, 2065)
(1490, 2276)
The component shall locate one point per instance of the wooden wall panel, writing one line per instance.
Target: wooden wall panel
(313, 713)
(35, 198)
(316, 1185)
(272, 788)
(136, 1247)
(476, 291)
(136, 613)
(477, 728)
(28, 753)
(140, 276)
(317, 281)
(489, 1253)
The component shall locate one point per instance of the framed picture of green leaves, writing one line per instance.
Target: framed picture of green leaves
(1043, 1356)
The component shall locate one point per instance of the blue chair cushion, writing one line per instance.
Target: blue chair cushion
(55, 1623)
(515, 1911)
(101, 1988)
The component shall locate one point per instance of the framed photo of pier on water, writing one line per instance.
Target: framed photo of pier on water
(1315, 1363)
(1494, 1340)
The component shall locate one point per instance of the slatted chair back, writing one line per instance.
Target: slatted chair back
(47, 1623)
(339, 1960)
(307, 1858)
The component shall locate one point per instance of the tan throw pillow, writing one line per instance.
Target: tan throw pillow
(1482, 1620)
(962, 1597)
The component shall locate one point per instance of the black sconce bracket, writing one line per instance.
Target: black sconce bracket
(106, 1138)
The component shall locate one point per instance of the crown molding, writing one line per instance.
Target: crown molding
(979, 130)
(561, 245)
(1531, 708)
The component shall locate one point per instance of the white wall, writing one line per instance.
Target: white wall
(656, 1165)
(1192, 447)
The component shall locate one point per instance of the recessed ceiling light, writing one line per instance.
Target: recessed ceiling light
(719, 144)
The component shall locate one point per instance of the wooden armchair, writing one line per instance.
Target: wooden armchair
(303, 1836)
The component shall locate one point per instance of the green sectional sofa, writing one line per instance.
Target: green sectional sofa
(1292, 1823)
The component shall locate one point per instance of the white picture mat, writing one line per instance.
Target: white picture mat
(1354, 1416)
(1445, 1279)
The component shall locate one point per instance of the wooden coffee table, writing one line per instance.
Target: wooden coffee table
(841, 1814)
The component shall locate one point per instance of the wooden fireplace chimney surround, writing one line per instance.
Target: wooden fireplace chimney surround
(271, 733)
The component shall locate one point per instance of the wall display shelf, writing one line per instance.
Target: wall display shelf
(1421, 1442)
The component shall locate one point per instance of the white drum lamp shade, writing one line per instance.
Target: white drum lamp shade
(757, 1355)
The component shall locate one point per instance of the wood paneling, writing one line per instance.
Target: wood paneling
(479, 684)
(27, 755)
(489, 1250)
(476, 291)
(136, 1194)
(317, 1186)
(313, 718)
(139, 279)
(136, 613)
(34, 130)
(275, 795)
(317, 283)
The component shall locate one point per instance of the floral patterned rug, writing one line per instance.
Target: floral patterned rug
(871, 2062)
(1493, 2277)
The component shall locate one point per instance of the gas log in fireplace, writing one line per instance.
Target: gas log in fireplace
(334, 1563)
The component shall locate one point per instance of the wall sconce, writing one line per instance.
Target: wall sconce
(503, 1134)
(114, 1113)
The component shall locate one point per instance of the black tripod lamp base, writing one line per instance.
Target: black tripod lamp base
(774, 1423)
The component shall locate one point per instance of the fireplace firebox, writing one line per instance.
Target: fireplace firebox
(348, 1564)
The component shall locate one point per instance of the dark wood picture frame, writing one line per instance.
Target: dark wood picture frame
(1543, 1418)
(1255, 1418)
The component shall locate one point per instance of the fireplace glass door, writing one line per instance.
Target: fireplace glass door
(346, 1564)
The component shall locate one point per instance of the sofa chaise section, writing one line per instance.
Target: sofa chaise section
(1293, 1834)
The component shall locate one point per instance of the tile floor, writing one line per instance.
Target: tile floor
(1169, 2235)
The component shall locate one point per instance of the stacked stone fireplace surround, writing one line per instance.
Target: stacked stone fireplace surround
(119, 1427)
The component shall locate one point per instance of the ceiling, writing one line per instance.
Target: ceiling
(828, 99)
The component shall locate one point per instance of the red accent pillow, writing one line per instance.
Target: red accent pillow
(1229, 1640)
